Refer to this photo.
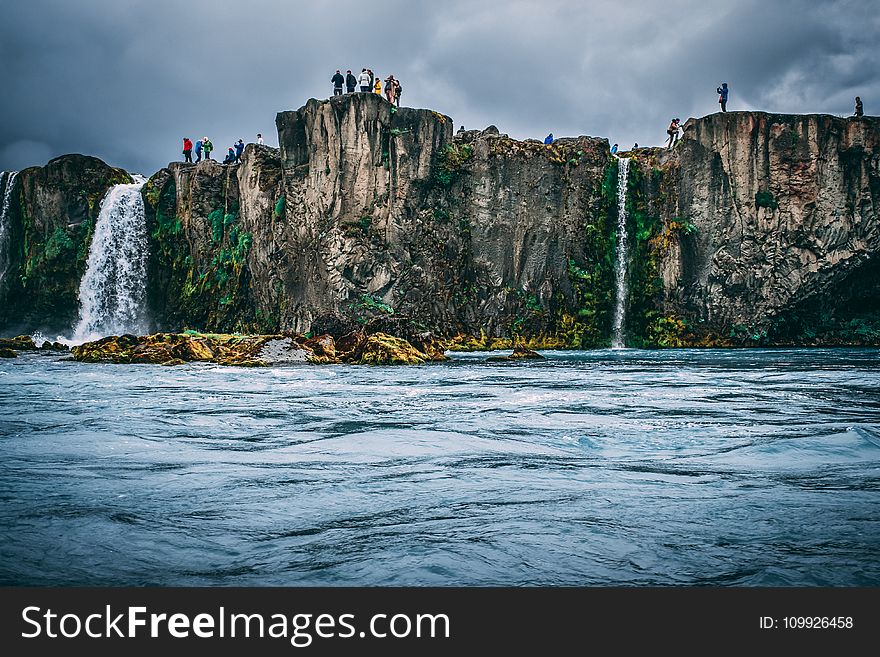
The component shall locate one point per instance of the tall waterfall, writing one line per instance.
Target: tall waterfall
(618, 340)
(112, 293)
(7, 182)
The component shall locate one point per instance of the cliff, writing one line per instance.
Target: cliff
(755, 229)
(782, 233)
(52, 218)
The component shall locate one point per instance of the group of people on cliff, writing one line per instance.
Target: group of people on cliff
(204, 147)
(366, 82)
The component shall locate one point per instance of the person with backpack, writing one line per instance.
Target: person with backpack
(722, 96)
(672, 131)
(187, 150)
(389, 89)
(860, 111)
(397, 91)
(350, 82)
(239, 149)
(207, 146)
(364, 81)
(198, 151)
(337, 81)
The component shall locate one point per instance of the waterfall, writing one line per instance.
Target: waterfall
(112, 293)
(7, 182)
(618, 339)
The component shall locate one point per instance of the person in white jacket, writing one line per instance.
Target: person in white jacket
(364, 81)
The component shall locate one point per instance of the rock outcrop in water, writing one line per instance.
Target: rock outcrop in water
(755, 229)
(253, 350)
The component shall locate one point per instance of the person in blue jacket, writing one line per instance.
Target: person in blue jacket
(230, 157)
(198, 150)
(722, 96)
(614, 149)
(239, 149)
(548, 139)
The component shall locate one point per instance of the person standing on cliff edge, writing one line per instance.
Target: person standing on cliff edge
(364, 83)
(672, 131)
(350, 82)
(198, 151)
(859, 109)
(259, 139)
(722, 96)
(187, 150)
(337, 81)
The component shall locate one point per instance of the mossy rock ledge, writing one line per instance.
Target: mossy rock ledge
(253, 350)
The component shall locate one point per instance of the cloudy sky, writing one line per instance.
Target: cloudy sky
(125, 80)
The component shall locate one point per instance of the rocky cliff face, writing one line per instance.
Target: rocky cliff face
(384, 209)
(53, 216)
(782, 232)
(755, 229)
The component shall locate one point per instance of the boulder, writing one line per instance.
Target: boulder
(20, 342)
(6, 352)
(382, 349)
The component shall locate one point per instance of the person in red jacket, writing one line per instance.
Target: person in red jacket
(187, 150)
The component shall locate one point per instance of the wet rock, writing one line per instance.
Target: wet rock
(20, 342)
(409, 330)
(284, 351)
(332, 324)
(349, 343)
(382, 349)
(520, 352)
(6, 352)
(54, 346)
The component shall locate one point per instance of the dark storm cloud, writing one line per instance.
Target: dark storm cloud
(127, 80)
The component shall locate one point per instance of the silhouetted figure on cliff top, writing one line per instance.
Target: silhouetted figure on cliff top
(337, 81)
(389, 89)
(859, 109)
(722, 96)
(672, 131)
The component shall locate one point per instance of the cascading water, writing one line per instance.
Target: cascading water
(617, 337)
(7, 183)
(112, 293)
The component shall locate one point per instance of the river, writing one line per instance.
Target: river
(624, 467)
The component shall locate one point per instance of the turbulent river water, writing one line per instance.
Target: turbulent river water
(740, 467)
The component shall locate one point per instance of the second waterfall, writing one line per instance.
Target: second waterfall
(112, 294)
(618, 339)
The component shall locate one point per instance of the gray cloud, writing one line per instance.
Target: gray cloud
(125, 81)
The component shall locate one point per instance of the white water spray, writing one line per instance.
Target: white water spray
(113, 291)
(7, 182)
(618, 340)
